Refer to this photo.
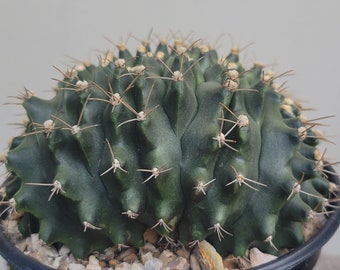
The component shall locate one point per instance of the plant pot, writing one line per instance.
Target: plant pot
(302, 258)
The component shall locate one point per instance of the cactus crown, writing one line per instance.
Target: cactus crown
(178, 140)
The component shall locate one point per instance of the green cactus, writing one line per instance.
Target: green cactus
(194, 146)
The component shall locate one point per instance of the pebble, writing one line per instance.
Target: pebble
(113, 262)
(123, 266)
(127, 266)
(108, 255)
(207, 256)
(153, 264)
(33, 243)
(232, 262)
(146, 256)
(126, 254)
(76, 266)
(148, 247)
(11, 228)
(137, 266)
(312, 226)
(93, 264)
(257, 257)
(64, 250)
(167, 257)
(46, 254)
(61, 262)
(101, 264)
(194, 264)
(183, 252)
(179, 263)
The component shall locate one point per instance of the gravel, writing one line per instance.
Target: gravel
(153, 255)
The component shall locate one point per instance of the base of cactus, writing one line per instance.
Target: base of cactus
(304, 257)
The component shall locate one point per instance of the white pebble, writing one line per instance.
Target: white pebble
(123, 266)
(93, 264)
(257, 257)
(153, 264)
(64, 250)
(147, 256)
(59, 262)
(179, 263)
(93, 267)
(137, 266)
(33, 243)
(76, 266)
(46, 255)
(194, 264)
(167, 257)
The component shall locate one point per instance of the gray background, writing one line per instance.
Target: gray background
(299, 35)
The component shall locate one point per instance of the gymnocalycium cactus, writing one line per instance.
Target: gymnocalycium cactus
(179, 140)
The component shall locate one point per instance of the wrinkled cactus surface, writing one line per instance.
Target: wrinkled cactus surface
(192, 145)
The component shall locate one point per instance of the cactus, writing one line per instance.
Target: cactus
(178, 140)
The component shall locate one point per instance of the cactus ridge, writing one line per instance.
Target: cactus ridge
(179, 140)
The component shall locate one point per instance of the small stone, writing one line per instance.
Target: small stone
(244, 264)
(146, 256)
(153, 264)
(230, 262)
(10, 227)
(148, 247)
(49, 251)
(257, 257)
(179, 263)
(93, 260)
(128, 255)
(93, 267)
(109, 254)
(64, 250)
(167, 257)
(207, 256)
(131, 258)
(76, 266)
(183, 252)
(101, 264)
(113, 262)
(241, 263)
(33, 243)
(311, 227)
(61, 263)
(137, 266)
(46, 254)
(93, 264)
(72, 259)
(194, 264)
(123, 266)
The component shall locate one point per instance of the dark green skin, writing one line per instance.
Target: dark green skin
(178, 137)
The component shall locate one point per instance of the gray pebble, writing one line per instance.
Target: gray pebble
(153, 264)
(76, 266)
(137, 266)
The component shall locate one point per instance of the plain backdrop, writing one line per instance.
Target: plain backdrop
(287, 35)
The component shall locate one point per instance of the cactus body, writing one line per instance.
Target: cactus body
(180, 141)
